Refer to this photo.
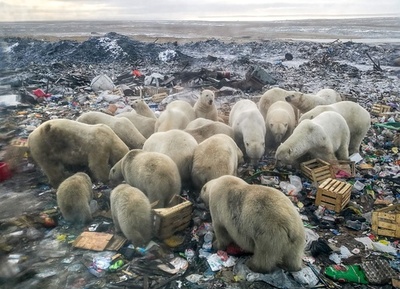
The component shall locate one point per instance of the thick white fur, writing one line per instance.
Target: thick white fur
(327, 137)
(259, 219)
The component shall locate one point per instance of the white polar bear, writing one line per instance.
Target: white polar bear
(214, 157)
(326, 136)
(198, 122)
(280, 122)
(205, 106)
(203, 132)
(176, 144)
(358, 120)
(273, 95)
(142, 108)
(305, 102)
(73, 198)
(143, 123)
(260, 219)
(131, 214)
(155, 174)
(176, 115)
(122, 127)
(249, 129)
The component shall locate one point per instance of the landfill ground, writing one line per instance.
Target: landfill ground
(43, 80)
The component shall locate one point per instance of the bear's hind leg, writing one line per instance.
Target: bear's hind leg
(98, 165)
(292, 261)
(222, 237)
(264, 260)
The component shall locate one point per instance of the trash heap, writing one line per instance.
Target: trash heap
(351, 209)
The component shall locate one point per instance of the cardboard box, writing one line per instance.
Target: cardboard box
(317, 170)
(386, 221)
(168, 221)
(333, 194)
(379, 109)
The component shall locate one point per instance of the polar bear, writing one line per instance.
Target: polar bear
(326, 136)
(249, 129)
(259, 219)
(142, 108)
(155, 174)
(205, 106)
(273, 95)
(214, 157)
(144, 124)
(131, 214)
(126, 131)
(205, 131)
(198, 122)
(62, 147)
(177, 114)
(305, 102)
(357, 118)
(176, 144)
(280, 122)
(73, 198)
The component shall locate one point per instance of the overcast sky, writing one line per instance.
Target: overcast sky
(28, 10)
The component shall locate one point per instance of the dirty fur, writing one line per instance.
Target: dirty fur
(142, 108)
(60, 146)
(357, 118)
(144, 124)
(73, 198)
(259, 219)
(155, 174)
(177, 115)
(176, 144)
(131, 214)
(249, 129)
(327, 137)
(214, 157)
(205, 105)
(126, 131)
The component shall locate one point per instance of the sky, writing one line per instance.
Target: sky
(42, 10)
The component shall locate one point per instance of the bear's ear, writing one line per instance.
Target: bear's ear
(285, 124)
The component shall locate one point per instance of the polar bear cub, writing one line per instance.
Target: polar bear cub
(131, 214)
(73, 198)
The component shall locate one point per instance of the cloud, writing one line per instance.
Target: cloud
(24, 10)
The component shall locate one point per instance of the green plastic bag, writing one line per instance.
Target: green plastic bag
(346, 273)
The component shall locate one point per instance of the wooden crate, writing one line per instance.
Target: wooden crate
(333, 194)
(317, 170)
(379, 109)
(347, 166)
(168, 221)
(386, 221)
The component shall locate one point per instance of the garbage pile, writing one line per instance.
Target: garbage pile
(351, 242)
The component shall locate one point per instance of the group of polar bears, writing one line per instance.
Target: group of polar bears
(147, 159)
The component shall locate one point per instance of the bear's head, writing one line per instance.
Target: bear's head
(207, 96)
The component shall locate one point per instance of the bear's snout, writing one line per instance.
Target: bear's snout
(288, 98)
(210, 102)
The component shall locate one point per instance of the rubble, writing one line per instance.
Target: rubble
(48, 80)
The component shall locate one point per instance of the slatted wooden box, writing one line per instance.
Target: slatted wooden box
(168, 221)
(333, 194)
(317, 170)
(349, 167)
(379, 109)
(386, 221)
